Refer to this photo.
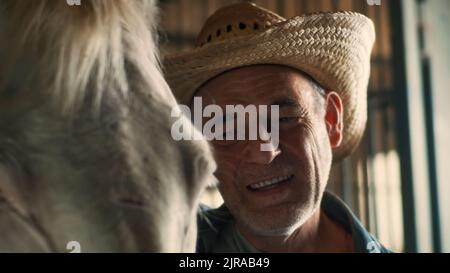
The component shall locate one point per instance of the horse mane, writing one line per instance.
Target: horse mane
(80, 49)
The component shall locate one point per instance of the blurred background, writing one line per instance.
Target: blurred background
(398, 180)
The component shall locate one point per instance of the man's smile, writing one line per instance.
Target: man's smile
(270, 191)
(267, 184)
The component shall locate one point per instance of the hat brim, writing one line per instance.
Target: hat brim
(333, 48)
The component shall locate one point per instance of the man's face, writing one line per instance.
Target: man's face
(301, 162)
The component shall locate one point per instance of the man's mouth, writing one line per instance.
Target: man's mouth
(270, 183)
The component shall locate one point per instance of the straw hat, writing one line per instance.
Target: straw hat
(333, 48)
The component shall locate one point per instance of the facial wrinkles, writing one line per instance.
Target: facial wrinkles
(315, 151)
(272, 169)
(234, 166)
(257, 83)
(234, 175)
(315, 162)
(304, 152)
(236, 162)
(318, 149)
(309, 135)
(227, 165)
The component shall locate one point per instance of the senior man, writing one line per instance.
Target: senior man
(315, 68)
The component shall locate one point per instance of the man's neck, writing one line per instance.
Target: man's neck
(318, 234)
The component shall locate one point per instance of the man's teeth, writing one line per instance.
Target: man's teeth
(267, 183)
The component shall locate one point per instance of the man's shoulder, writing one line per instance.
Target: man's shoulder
(211, 217)
(364, 241)
(209, 223)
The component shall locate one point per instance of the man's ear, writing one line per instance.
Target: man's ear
(334, 113)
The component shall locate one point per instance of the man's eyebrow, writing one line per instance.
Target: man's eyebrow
(286, 103)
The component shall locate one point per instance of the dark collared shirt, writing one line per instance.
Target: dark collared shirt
(217, 232)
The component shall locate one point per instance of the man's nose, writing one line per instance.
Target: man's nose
(253, 153)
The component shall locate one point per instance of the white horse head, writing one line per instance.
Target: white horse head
(85, 148)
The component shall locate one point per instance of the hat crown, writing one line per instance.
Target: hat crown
(236, 20)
